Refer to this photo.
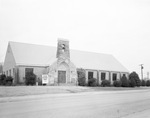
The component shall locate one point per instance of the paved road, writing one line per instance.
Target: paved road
(122, 104)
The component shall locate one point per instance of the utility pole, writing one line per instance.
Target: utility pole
(141, 71)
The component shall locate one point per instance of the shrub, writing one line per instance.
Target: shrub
(82, 81)
(81, 77)
(124, 81)
(30, 78)
(8, 81)
(148, 83)
(105, 83)
(2, 79)
(143, 83)
(135, 76)
(117, 83)
(92, 82)
(132, 82)
(138, 83)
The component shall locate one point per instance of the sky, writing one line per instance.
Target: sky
(117, 27)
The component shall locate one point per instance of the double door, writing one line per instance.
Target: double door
(61, 76)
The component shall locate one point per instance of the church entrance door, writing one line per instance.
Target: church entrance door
(61, 76)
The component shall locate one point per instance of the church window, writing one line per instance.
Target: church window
(28, 70)
(114, 76)
(124, 75)
(103, 76)
(90, 75)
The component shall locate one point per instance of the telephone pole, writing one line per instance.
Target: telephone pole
(141, 71)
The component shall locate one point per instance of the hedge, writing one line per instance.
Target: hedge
(105, 83)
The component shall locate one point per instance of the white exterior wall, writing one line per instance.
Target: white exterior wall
(118, 76)
(21, 74)
(94, 74)
(12, 74)
(9, 62)
(111, 76)
(127, 75)
(86, 76)
(99, 77)
(106, 76)
(38, 71)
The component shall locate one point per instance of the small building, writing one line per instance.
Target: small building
(59, 63)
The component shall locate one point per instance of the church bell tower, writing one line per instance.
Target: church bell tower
(63, 71)
(63, 51)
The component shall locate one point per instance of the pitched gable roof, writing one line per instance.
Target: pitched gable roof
(31, 54)
(98, 61)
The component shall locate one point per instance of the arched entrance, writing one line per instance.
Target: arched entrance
(63, 71)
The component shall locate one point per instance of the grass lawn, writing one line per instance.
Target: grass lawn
(9, 91)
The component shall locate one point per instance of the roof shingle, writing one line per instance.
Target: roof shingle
(39, 55)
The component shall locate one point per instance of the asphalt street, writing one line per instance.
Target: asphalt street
(120, 104)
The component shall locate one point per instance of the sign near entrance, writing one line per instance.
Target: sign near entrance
(45, 79)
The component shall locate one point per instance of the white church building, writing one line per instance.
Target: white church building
(59, 63)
